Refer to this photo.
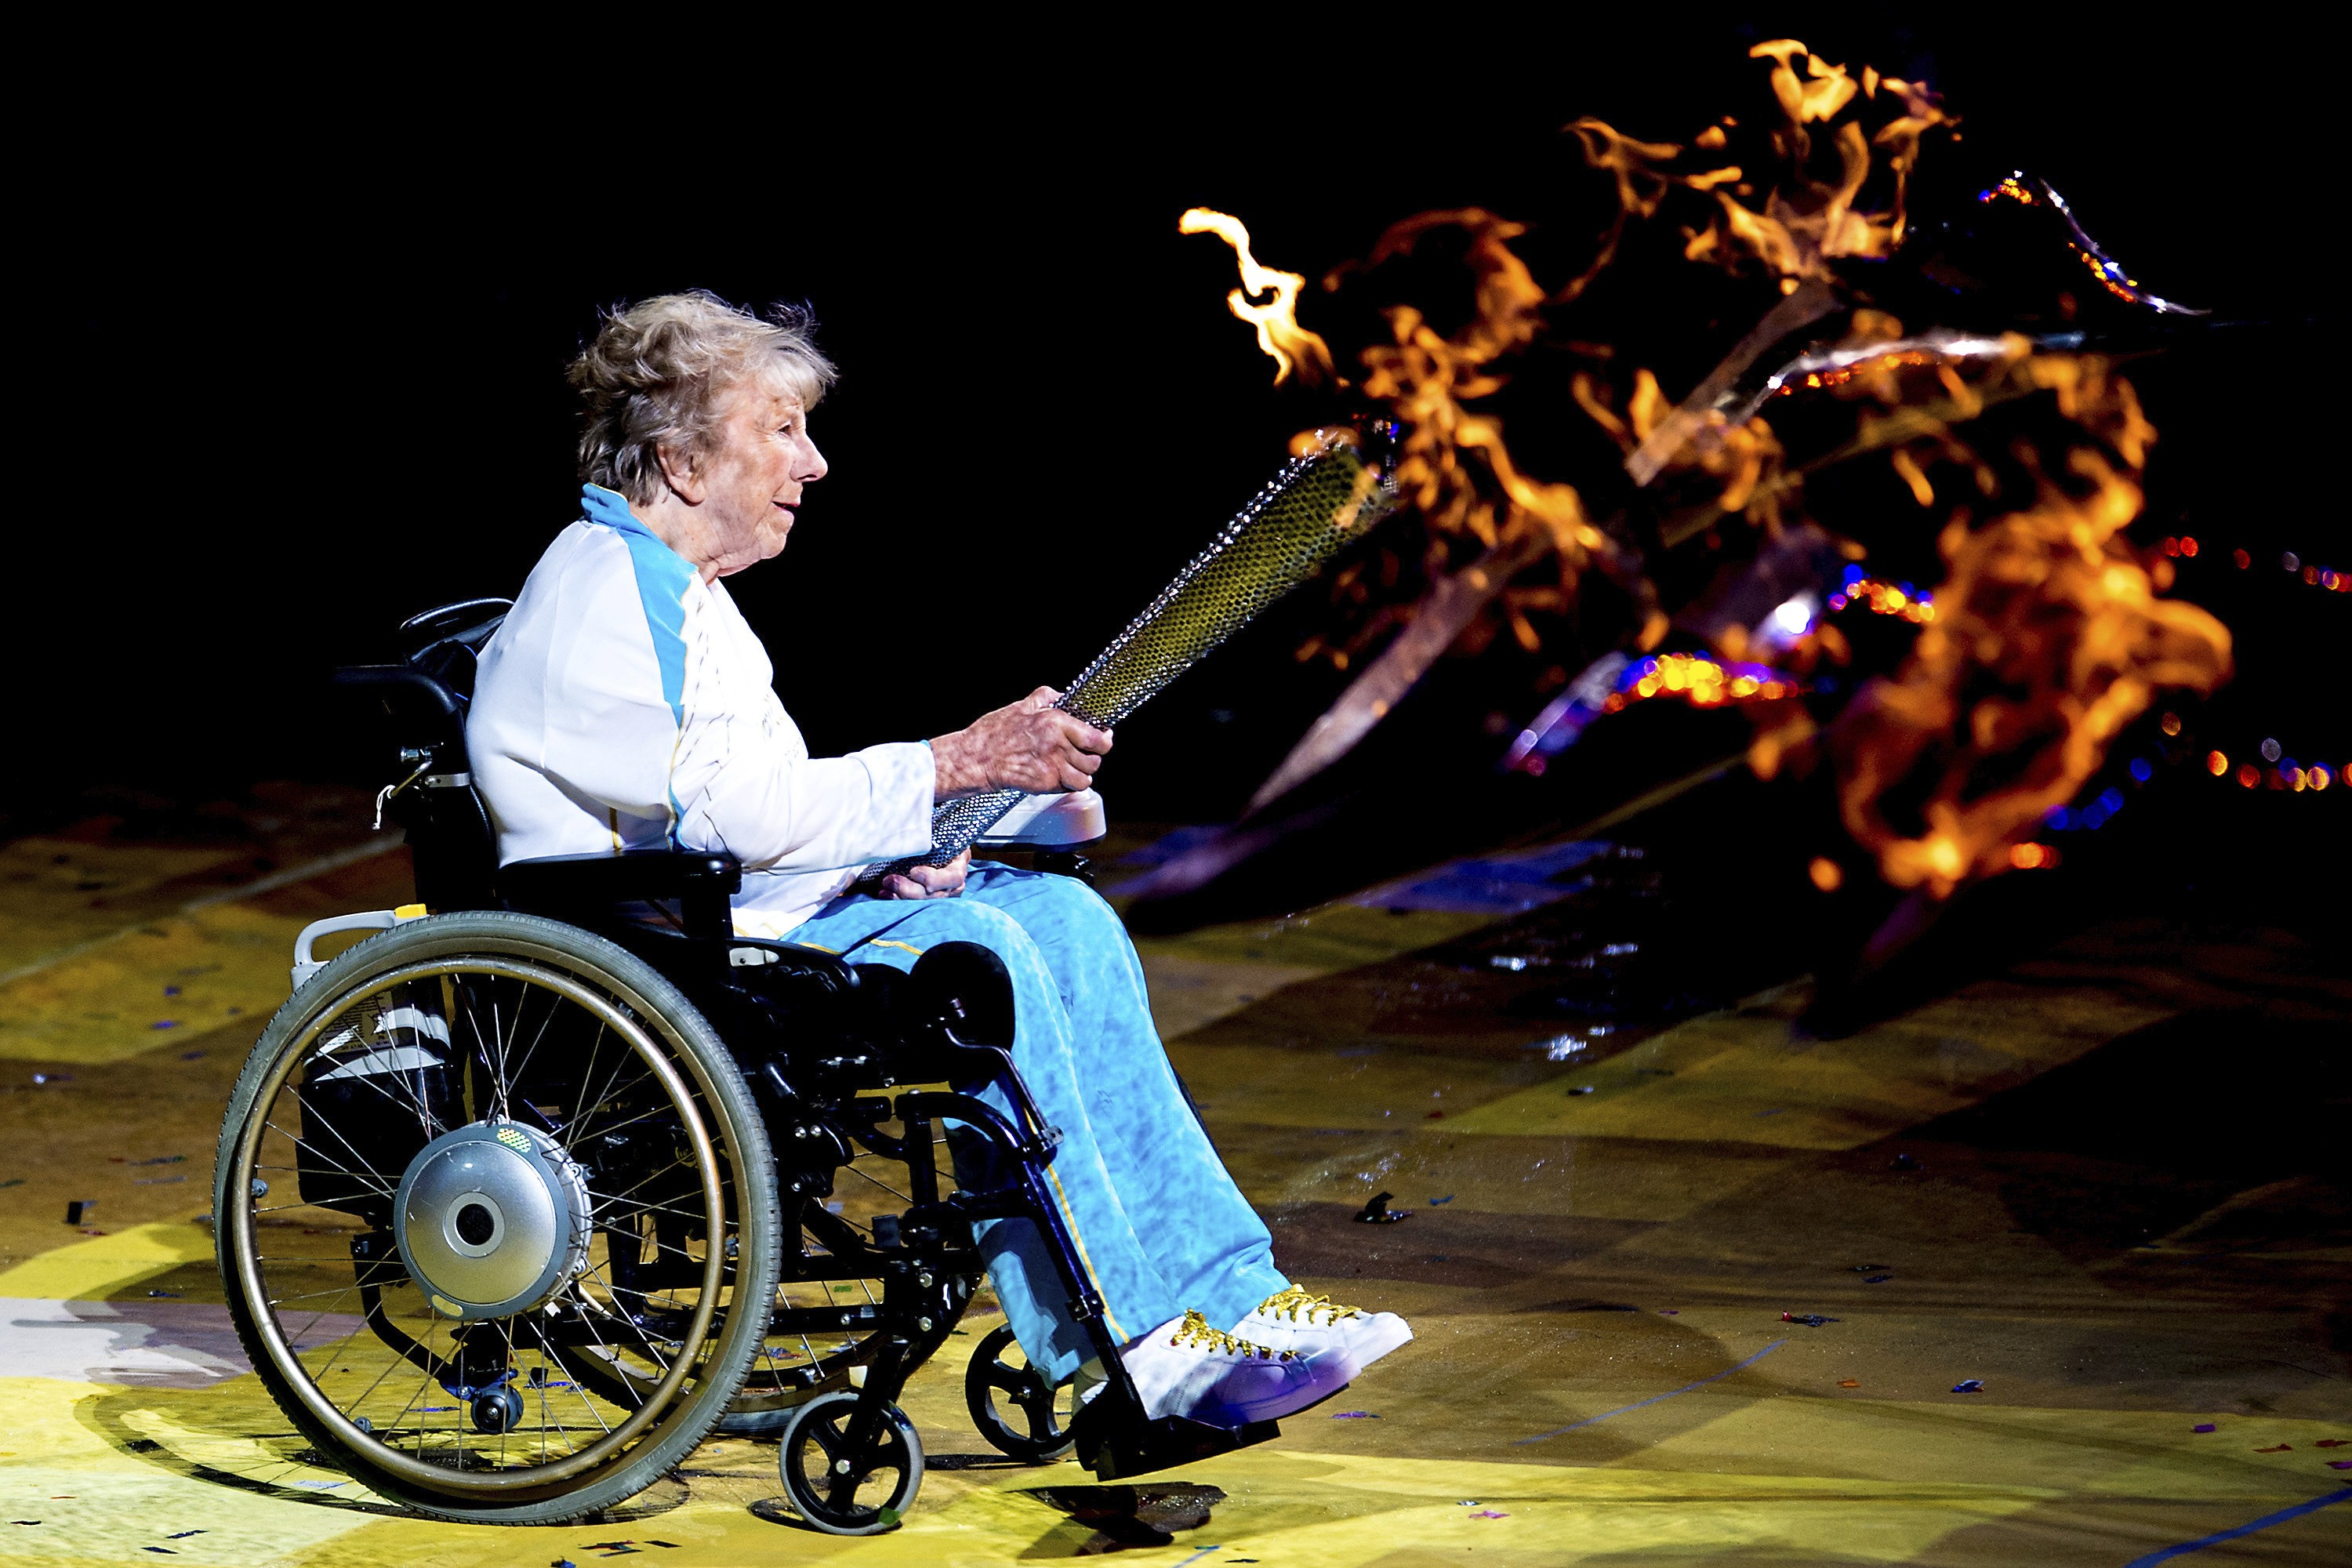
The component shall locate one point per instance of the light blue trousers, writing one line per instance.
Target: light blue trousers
(1159, 1225)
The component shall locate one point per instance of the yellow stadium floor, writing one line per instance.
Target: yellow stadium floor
(1603, 1372)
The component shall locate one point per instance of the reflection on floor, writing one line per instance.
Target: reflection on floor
(1691, 1286)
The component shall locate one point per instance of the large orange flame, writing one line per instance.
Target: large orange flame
(2048, 639)
(2047, 635)
(1268, 301)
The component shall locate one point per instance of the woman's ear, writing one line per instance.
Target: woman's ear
(683, 474)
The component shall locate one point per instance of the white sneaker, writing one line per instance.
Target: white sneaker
(1184, 1367)
(1348, 1338)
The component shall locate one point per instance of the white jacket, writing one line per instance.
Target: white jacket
(627, 704)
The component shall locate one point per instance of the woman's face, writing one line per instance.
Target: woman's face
(762, 459)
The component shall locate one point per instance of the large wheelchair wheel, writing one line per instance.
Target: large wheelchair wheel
(496, 1219)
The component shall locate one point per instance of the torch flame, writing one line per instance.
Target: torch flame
(1268, 301)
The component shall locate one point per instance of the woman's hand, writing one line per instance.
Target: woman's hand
(1029, 745)
(929, 881)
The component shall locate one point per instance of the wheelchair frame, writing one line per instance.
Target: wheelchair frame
(824, 1047)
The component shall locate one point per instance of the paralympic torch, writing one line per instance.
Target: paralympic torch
(1322, 499)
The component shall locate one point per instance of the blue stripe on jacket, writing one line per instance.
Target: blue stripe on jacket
(663, 578)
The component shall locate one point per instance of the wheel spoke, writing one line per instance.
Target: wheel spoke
(532, 1049)
(830, 1440)
(372, 1178)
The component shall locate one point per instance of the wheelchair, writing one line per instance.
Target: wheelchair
(553, 1176)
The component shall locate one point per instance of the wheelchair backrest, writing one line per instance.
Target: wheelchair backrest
(421, 705)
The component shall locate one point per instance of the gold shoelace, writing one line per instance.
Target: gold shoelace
(1195, 1330)
(1298, 1304)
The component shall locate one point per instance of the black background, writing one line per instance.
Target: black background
(295, 312)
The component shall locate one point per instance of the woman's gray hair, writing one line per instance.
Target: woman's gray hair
(658, 374)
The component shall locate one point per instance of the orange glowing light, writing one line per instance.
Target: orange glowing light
(2216, 763)
(2249, 775)
(2188, 546)
(1826, 874)
(2169, 723)
(1701, 683)
(2319, 776)
(1268, 301)
(1885, 599)
(2033, 856)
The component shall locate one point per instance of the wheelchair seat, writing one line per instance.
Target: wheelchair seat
(588, 1177)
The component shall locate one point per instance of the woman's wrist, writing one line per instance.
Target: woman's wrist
(955, 771)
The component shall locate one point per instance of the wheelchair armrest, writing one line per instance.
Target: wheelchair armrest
(421, 708)
(1048, 821)
(562, 885)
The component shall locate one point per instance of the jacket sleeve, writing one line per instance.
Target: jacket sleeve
(742, 784)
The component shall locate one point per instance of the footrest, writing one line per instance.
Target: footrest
(1114, 1451)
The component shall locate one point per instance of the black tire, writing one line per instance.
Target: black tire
(843, 1492)
(699, 1136)
(1015, 1409)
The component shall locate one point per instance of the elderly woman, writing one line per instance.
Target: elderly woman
(626, 703)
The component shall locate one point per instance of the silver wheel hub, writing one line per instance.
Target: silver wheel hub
(493, 1219)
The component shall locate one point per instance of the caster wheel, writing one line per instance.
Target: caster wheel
(847, 1490)
(498, 1410)
(1015, 1409)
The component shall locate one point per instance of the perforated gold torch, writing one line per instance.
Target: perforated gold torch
(1321, 500)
